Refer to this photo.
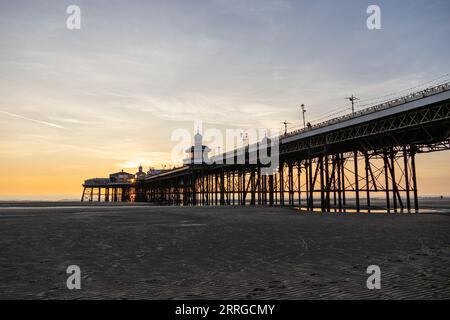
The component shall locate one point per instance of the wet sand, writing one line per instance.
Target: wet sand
(149, 252)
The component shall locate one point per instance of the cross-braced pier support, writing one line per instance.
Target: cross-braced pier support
(107, 194)
(354, 181)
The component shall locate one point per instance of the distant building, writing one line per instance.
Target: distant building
(119, 187)
(121, 177)
(198, 153)
(97, 181)
(140, 175)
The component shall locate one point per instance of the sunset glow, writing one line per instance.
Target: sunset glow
(85, 103)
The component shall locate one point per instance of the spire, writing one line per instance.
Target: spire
(198, 139)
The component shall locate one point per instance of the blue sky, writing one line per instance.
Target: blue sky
(137, 70)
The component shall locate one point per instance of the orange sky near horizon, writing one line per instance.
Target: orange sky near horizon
(60, 176)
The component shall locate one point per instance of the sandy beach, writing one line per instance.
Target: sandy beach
(148, 252)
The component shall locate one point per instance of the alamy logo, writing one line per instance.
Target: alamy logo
(374, 280)
(374, 20)
(73, 21)
(237, 146)
(74, 280)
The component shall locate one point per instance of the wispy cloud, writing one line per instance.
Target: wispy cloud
(74, 121)
(46, 123)
(229, 110)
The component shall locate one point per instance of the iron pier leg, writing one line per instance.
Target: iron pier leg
(193, 188)
(233, 187)
(414, 177)
(217, 190)
(291, 184)
(334, 165)
(239, 188)
(222, 187)
(407, 187)
(394, 186)
(322, 187)
(344, 201)
(311, 186)
(339, 184)
(243, 193)
(203, 188)
(208, 189)
(275, 186)
(367, 164)
(355, 158)
(307, 181)
(327, 183)
(271, 184)
(258, 184)
(264, 189)
(386, 178)
(252, 186)
(282, 184)
(299, 184)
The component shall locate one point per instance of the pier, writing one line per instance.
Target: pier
(335, 166)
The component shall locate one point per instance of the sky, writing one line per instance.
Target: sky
(76, 104)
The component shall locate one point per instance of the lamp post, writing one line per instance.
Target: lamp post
(303, 113)
(352, 99)
(285, 126)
